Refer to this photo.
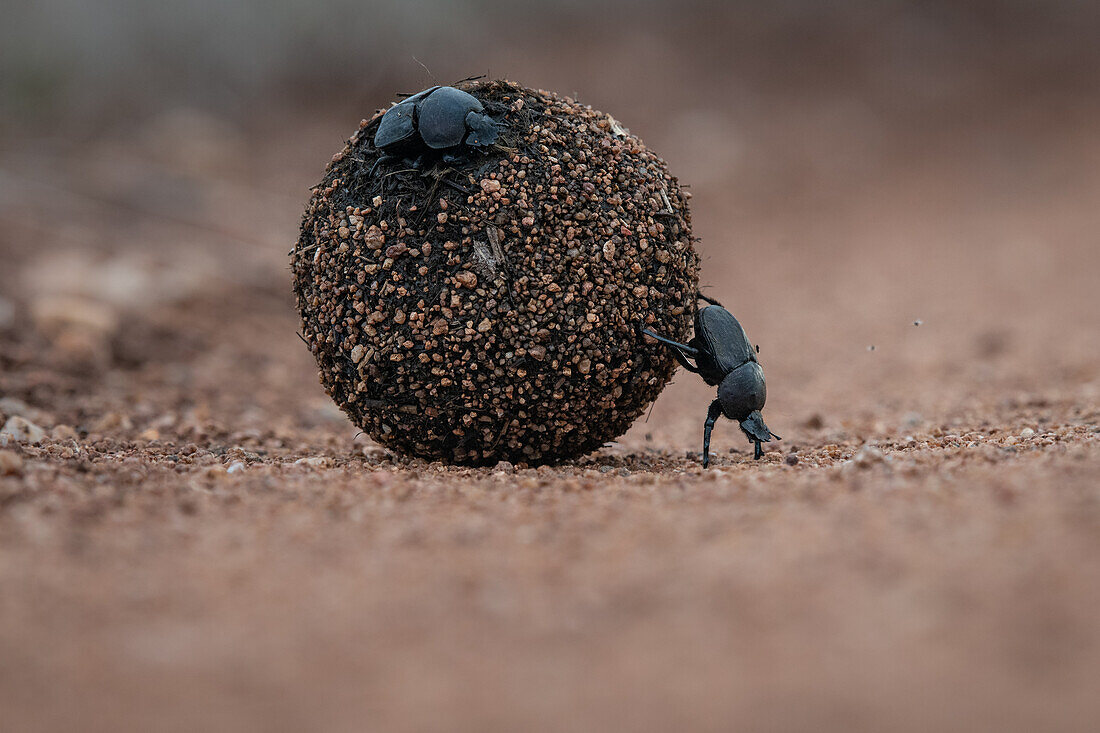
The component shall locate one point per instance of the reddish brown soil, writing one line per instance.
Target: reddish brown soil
(203, 543)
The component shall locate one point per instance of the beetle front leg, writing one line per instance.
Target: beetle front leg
(384, 158)
(707, 299)
(683, 359)
(688, 350)
(682, 352)
(712, 417)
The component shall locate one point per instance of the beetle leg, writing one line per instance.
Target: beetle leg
(385, 158)
(683, 359)
(683, 348)
(682, 352)
(712, 417)
(712, 301)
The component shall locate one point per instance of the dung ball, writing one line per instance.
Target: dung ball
(483, 303)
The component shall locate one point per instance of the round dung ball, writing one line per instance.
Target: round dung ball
(480, 304)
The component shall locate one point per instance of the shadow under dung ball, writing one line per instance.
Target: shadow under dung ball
(482, 303)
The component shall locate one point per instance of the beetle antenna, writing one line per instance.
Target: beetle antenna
(426, 69)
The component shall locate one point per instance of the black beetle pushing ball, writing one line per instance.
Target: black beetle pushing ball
(724, 356)
(479, 302)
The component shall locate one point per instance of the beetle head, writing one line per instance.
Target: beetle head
(754, 427)
(483, 130)
(397, 128)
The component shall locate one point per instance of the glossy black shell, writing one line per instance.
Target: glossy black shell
(398, 125)
(743, 391)
(722, 343)
(442, 121)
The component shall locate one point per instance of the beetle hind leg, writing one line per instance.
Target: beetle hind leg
(713, 413)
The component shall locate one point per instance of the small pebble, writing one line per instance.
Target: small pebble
(23, 430)
(814, 422)
(868, 456)
(791, 459)
(10, 406)
(11, 463)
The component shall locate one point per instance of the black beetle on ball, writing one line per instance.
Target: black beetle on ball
(724, 357)
(438, 119)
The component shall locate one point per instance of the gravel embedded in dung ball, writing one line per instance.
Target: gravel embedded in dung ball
(482, 303)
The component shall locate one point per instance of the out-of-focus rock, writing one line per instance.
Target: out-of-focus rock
(126, 281)
(58, 312)
(11, 463)
(113, 421)
(22, 430)
(63, 432)
(79, 328)
(868, 456)
(814, 422)
(11, 406)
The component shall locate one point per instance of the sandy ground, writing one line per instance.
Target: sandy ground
(200, 541)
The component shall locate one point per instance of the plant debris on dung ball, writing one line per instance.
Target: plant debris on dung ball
(482, 303)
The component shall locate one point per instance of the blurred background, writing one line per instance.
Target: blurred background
(899, 199)
(856, 167)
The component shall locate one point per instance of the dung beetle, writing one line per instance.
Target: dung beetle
(439, 118)
(724, 357)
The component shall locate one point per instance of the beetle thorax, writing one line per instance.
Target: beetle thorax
(742, 391)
